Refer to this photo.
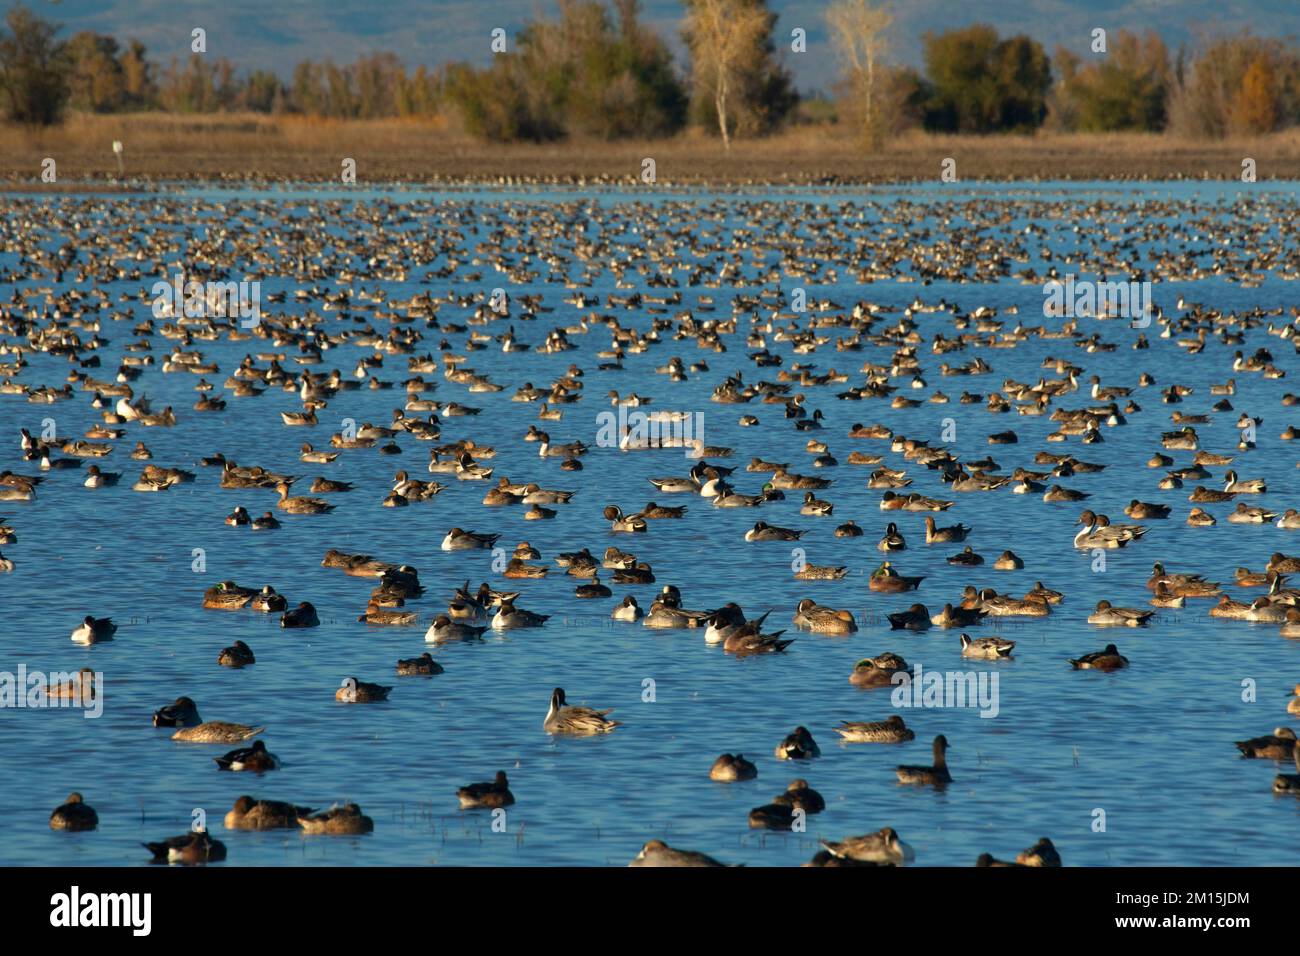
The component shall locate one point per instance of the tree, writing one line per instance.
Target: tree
(734, 72)
(980, 84)
(1255, 106)
(97, 81)
(857, 32)
(33, 68)
(1127, 89)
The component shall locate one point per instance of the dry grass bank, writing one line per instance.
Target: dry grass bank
(255, 147)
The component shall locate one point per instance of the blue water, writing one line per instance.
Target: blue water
(1150, 746)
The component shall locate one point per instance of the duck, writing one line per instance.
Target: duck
(374, 614)
(1290, 520)
(1250, 486)
(799, 796)
(986, 648)
(444, 630)
(730, 768)
(94, 630)
(952, 534)
(101, 479)
(628, 610)
(74, 815)
(797, 745)
(250, 814)
(960, 616)
(237, 655)
(884, 846)
(459, 540)
(1245, 514)
(1200, 518)
(889, 731)
(268, 601)
(509, 617)
(486, 796)
(1182, 585)
(878, 671)
(422, 666)
(1107, 615)
(304, 615)
(811, 616)
(300, 505)
(254, 759)
(347, 820)
(935, 776)
(762, 531)
(1280, 745)
(227, 596)
(892, 540)
(1141, 510)
(915, 618)
(1042, 853)
(659, 854)
(1044, 594)
(188, 848)
(1008, 561)
(888, 581)
(592, 590)
(1107, 659)
(1289, 782)
(848, 530)
(575, 721)
(355, 691)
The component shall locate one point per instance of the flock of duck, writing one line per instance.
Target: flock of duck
(339, 307)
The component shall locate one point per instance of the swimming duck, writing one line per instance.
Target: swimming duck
(188, 848)
(848, 530)
(444, 630)
(915, 618)
(956, 617)
(1008, 561)
(799, 796)
(629, 610)
(953, 533)
(74, 814)
(811, 616)
(250, 814)
(892, 540)
(94, 630)
(1200, 518)
(268, 601)
(1283, 564)
(459, 540)
(890, 731)
(509, 617)
(936, 776)
(878, 671)
(883, 846)
(1107, 659)
(762, 531)
(1183, 585)
(300, 505)
(347, 820)
(658, 853)
(1044, 595)
(888, 581)
(1292, 629)
(237, 655)
(355, 691)
(1290, 520)
(100, 479)
(1245, 514)
(986, 648)
(1280, 745)
(227, 596)
(1108, 616)
(797, 745)
(730, 768)
(575, 721)
(304, 615)
(1251, 486)
(1289, 782)
(967, 558)
(374, 614)
(422, 666)
(486, 796)
(254, 759)
(1141, 510)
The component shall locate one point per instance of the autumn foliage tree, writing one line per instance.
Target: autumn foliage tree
(33, 68)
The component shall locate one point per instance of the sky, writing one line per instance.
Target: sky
(277, 34)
